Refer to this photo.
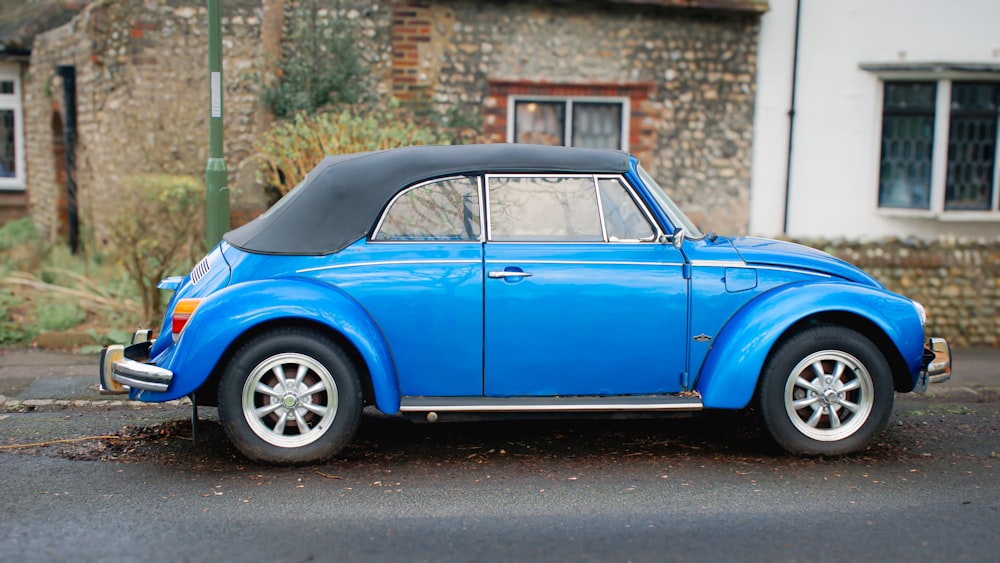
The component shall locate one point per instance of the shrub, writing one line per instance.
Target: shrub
(291, 149)
(12, 331)
(160, 231)
(58, 316)
(321, 67)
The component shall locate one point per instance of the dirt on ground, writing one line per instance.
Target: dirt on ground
(919, 428)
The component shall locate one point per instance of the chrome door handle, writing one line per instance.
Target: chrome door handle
(506, 274)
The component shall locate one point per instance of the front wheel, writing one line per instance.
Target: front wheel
(826, 391)
(290, 396)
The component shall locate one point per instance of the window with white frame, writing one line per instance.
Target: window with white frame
(11, 135)
(593, 122)
(939, 147)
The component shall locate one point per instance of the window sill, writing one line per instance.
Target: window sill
(942, 216)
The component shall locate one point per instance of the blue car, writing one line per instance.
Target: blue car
(513, 280)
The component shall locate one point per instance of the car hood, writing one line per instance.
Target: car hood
(766, 252)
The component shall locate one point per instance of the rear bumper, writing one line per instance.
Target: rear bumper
(126, 368)
(936, 366)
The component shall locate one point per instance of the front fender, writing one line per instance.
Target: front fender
(730, 373)
(225, 316)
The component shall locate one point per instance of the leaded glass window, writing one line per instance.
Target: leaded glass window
(972, 146)
(907, 144)
(940, 146)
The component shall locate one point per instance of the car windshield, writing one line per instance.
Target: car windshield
(674, 213)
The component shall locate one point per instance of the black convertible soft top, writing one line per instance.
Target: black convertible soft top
(340, 199)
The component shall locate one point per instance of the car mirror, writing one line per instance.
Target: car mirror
(676, 238)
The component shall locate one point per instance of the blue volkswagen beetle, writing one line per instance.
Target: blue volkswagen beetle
(512, 280)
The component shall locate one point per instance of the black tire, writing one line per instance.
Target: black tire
(825, 391)
(281, 382)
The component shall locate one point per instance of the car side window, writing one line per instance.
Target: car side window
(544, 209)
(623, 218)
(441, 210)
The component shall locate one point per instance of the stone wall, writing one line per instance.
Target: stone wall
(690, 77)
(142, 88)
(957, 280)
(142, 100)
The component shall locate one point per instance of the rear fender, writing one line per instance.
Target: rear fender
(729, 376)
(223, 317)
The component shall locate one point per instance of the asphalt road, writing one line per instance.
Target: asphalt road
(705, 488)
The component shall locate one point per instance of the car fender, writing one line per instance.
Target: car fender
(242, 307)
(731, 370)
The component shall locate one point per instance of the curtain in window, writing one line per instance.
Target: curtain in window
(597, 125)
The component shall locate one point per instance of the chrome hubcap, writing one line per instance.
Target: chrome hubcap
(829, 395)
(289, 400)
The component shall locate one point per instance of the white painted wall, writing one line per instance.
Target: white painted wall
(836, 143)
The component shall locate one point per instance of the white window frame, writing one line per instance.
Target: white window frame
(569, 101)
(12, 72)
(939, 155)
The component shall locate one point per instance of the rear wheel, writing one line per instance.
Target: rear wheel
(290, 396)
(826, 390)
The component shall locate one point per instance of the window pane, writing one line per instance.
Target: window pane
(972, 146)
(540, 123)
(7, 144)
(597, 125)
(445, 210)
(544, 209)
(623, 219)
(6, 86)
(907, 144)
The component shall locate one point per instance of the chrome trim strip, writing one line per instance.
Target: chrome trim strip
(547, 404)
(600, 209)
(585, 262)
(720, 263)
(386, 263)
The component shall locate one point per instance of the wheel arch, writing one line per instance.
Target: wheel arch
(206, 345)
(207, 394)
(730, 374)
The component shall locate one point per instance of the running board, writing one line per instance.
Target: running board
(649, 403)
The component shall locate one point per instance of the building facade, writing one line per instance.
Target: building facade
(894, 129)
(672, 81)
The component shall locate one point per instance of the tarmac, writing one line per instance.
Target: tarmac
(41, 377)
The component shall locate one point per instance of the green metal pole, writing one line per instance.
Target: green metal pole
(216, 188)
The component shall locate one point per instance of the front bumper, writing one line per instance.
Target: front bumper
(936, 366)
(126, 368)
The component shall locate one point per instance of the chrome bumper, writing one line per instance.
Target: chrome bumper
(124, 369)
(936, 364)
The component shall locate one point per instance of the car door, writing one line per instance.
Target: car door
(420, 278)
(581, 297)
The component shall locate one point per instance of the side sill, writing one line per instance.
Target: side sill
(639, 403)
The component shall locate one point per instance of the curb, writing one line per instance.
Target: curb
(11, 404)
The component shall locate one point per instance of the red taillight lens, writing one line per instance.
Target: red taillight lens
(182, 314)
